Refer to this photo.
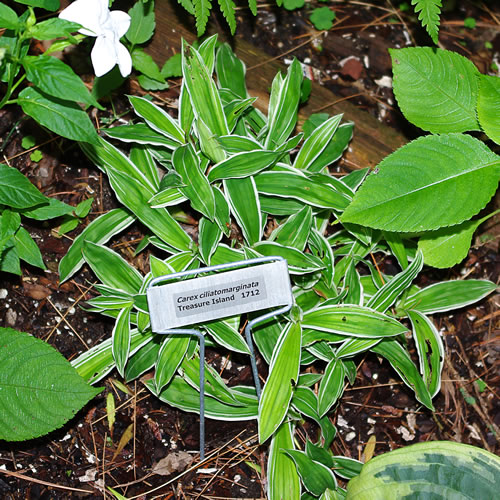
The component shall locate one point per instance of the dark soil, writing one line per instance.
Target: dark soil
(82, 459)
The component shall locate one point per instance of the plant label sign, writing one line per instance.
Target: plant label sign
(229, 293)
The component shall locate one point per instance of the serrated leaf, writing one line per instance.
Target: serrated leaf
(488, 106)
(40, 390)
(144, 63)
(436, 89)
(16, 191)
(63, 117)
(53, 28)
(202, 11)
(277, 391)
(55, 78)
(228, 8)
(428, 13)
(142, 22)
(432, 182)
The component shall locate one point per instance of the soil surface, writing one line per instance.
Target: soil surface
(83, 458)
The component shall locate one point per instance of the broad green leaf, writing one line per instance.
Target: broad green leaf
(143, 62)
(298, 262)
(180, 394)
(27, 249)
(392, 289)
(40, 389)
(121, 339)
(449, 245)
(16, 191)
(437, 469)
(430, 350)
(243, 200)
(171, 354)
(157, 119)
(400, 360)
(432, 182)
(315, 477)
(142, 22)
(52, 76)
(230, 71)
(284, 482)
(488, 106)
(63, 117)
(53, 28)
(277, 391)
(286, 100)
(244, 164)
(141, 134)
(10, 222)
(436, 89)
(345, 467)
(197, 188)
(331, 386)
(50, 210)
(448, 295)
(290, 185)
(99, 231)
(352, 320)
(203, 92)
(224, 334)
(9, 261)
(295, 231)
(315, 144)
(112, 269)
(51, 5)
(428, 13)
(8, 17)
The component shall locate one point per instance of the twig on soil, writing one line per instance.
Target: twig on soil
(39, 481)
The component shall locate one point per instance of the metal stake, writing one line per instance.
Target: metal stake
(201, 337)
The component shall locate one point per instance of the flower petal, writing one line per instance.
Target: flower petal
(103, 55)
(124, 59)
(120, 21)
(91, 14)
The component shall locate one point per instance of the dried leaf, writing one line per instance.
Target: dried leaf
(126, 437)
(173, 462)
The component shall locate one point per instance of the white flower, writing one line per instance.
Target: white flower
(97, 20)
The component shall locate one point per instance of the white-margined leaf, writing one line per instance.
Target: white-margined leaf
(111, 269)
(352, 320)
(243, 200)
(157, 119)
(172, 352)
(209, 236)
(400, 360)
(140, 133)
(290, 185)
(315, 144)
(277, 391)
(244, 164)
(121, 340)
(180, 394)
(430, 350)
(284, 104)
(295, 231)
(230, 71)
(141, 157)
(237, 143)
(169, 197)
(352, 347)
(225, 335)
(197, 188)
(387, 295)
(331, 386)
(448, 295)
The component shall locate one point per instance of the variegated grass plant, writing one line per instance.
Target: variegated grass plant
(231, 167)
